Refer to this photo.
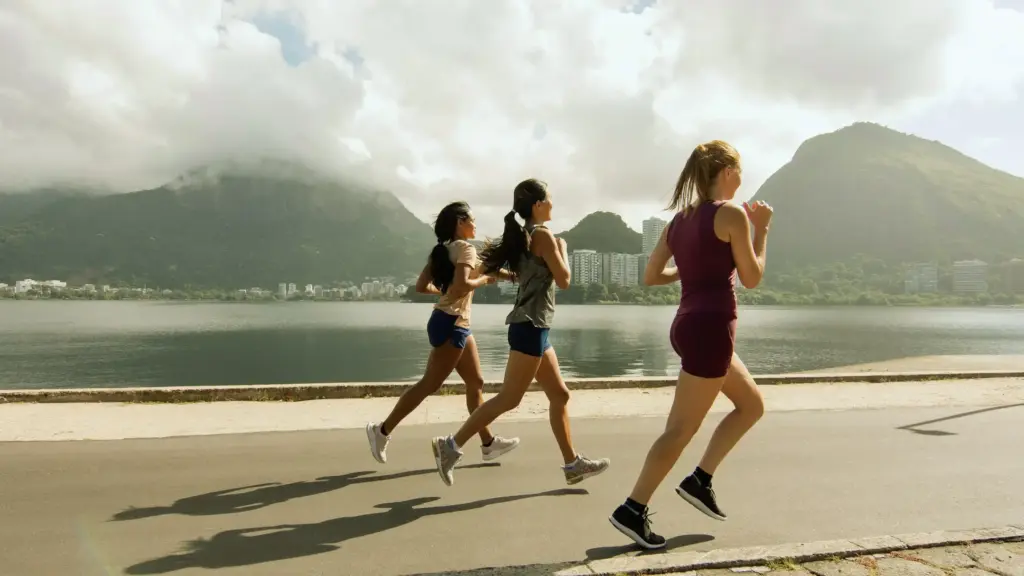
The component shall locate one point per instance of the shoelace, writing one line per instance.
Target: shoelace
(647, 522)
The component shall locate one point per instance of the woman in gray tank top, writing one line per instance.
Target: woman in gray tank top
(537, 261)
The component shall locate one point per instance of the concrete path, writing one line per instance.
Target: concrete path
(316, 503)
(110, 421)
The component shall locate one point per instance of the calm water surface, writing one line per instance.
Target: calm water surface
(96, 344)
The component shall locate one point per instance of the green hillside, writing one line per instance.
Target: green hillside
(224, 227)
(603, 232)
(869, 190)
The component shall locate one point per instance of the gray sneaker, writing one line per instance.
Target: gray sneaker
(498, 447)
(583, 468)
(447, 457)
(378, 442)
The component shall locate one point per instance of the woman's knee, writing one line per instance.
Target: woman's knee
(751, 407)
(474, 385)
(755, 409)
(559, 398)
(507, 401)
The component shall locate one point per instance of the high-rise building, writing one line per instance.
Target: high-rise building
(921, 277)
(620, 269)
(970, 277)
(652, 233)
(586, 267)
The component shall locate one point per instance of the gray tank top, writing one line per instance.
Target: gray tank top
(535, 300)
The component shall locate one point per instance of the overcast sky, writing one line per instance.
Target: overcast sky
(460, 99)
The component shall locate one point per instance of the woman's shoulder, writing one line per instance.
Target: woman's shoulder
(462, 251)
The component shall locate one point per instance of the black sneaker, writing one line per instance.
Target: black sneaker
(701, 497)
(637, 526)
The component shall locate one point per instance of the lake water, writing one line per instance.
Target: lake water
(47, 344)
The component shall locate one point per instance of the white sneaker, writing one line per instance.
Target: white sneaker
(378, 442)
(583, 468)
(499, 446)
(447, 457)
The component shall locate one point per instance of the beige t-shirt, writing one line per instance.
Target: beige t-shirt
(460, 252)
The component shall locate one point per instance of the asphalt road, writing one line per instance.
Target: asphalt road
(316, 502)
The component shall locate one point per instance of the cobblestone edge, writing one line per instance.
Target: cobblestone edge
(688, 561)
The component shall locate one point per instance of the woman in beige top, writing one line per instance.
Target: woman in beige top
(451, 273)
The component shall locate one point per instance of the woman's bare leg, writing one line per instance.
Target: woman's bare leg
(693, 399)
(519, 373)
(440, 363)
(741, 389)
(491, 446)
(577, 467)
(550, 379)
(472, 374)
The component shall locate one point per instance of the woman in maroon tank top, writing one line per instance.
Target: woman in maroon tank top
(710, 240)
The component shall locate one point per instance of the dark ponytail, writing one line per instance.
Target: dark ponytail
(442, 269)
(514, 244)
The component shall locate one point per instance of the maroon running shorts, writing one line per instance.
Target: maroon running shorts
(705, 342)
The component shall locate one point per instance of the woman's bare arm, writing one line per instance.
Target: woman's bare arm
(423, 285)
(657, 272)
(553, 254)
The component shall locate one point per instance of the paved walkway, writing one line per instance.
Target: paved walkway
(103, 421)
(316, 503)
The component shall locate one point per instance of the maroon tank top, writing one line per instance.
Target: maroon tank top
(707, 272)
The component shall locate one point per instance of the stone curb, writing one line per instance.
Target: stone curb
(297, 392)
(681, 562)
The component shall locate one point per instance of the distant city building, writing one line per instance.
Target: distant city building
(318, 291)
(282, 290)
(23, 286)
(921, 277)
(620, 269)
(586, 267)
(970, 277)
(653, 227)
(292, 289)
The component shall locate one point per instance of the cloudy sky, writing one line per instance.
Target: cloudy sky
(460, 99)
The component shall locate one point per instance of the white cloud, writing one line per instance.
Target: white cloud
(463, 99)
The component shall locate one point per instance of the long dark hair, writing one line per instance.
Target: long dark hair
(514, 244)
(698, 176)
(442, 269)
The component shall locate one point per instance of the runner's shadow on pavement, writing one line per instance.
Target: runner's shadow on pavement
(915, 427)
(249, 546)
(246, 498)
(681, 541)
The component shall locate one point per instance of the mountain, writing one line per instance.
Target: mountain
(603, 232)
(866, 189)
(225, 226)
(18, 206)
